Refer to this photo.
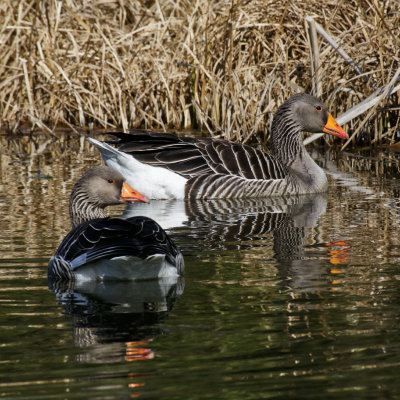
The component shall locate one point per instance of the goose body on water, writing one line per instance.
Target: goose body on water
(162, 165)
(103, 248)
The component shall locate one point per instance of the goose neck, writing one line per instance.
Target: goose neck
(82, 209)
(286, 139)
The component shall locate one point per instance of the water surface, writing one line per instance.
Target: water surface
(281, 299)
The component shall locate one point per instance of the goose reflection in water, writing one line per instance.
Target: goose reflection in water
(117, 320)
(111, 314)
(248, 224)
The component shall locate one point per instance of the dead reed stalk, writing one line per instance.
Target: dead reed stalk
(220, 66)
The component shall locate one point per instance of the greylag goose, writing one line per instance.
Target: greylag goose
(103, 248)
(164, 166)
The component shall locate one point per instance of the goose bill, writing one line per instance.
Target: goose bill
(333, 128)
(131, 195)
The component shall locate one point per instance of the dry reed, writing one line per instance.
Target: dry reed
(219, 66)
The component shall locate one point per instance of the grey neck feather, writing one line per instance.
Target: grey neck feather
(287, 146)
(286, 143)
(82, 209)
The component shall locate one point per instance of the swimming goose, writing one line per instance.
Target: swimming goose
(103, 248)
(163, 166)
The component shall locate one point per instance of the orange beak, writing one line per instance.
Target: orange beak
(132, 195)
(333, 128)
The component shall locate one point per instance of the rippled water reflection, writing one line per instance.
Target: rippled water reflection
(281, 299)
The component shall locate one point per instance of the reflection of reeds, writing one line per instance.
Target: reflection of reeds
(36, 179)
(222, 66)
(378, 165)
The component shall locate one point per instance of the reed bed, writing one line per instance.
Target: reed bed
(217, 66)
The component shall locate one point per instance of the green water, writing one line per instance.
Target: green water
(281, 299)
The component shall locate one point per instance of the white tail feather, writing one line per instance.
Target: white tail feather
(153, 182)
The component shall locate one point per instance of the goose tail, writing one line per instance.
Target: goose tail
(153, 182)
(121, 162)
(107, 152)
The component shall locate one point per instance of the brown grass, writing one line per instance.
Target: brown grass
(215, 65)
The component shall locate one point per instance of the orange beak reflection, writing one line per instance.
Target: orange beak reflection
(131, 195)
(333, 128)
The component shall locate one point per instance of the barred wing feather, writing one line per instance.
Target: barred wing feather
(193, 157)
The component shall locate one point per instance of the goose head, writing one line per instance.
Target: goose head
(305, 113)
(313, 116)
(98, 188)
(300, 113)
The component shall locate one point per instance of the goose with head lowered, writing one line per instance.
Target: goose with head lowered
(163, 166)
(103, 248)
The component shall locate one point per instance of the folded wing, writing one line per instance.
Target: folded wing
(193, 157)
(114, 237)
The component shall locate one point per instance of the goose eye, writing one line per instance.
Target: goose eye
(110, 180)
(318, 108)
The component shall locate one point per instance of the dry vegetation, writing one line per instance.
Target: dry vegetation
(216, 65)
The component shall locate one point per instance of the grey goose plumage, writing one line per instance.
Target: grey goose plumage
(99, 247)
(217, 168)
(91, 194)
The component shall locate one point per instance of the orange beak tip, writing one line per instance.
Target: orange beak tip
(131, 195)
(143, 199)
(333, 128)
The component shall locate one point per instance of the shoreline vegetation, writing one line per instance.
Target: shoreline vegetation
(219, 67)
